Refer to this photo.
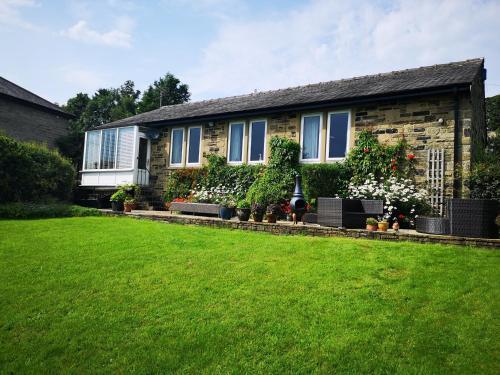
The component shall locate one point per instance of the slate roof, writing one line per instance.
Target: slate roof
(8, 88)
(394, 83)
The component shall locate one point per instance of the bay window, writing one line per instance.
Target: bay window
(257, 141)
(310, 137)
(235, 142)
(194, 145)
(109, 149)
(177, 147)
(337, 135)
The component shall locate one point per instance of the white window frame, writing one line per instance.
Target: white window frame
(100, 147)
(242, 143)
(181, 164)
(320, 140)
(188, 145)
(327, 150)
(250, 142)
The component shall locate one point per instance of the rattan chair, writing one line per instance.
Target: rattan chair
(472, 217)
(347, 213)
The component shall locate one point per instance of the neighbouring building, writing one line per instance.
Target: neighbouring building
(440, 109)
(27, 117)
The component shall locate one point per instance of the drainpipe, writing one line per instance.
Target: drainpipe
(457, 158)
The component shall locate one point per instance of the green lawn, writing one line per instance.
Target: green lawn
(102, 294)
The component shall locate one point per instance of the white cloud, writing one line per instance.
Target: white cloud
(10, 13)
(120, 36)
(326, 40)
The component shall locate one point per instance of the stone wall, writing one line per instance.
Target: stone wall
(426, 123)
(28, 123)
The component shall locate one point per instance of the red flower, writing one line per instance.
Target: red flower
(394, 167)
(401, 216)
(366, 150)
(411, 156)
(179, 200)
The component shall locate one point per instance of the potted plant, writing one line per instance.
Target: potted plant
(287, 210)
(243, 210)
(371, 224)
(117, 200)
(258, 211)
(383, 225)
(129, 204)
(272, 212)
(227, 205)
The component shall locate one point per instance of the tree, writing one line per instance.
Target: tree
(493, 112)
(167, 90)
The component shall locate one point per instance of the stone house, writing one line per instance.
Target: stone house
(27, 117)
(439, 109)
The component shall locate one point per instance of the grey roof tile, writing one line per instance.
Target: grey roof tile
(429, 77)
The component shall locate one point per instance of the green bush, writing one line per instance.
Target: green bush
(325, 180)
(484, 180)
(31, 172)
(18, 210)
(180, 183)
(276, 182)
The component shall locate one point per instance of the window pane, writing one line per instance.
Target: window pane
(124, 159)
(176, 149)
(310, 137)
(258, 141)
(92, 150)
(108, 148)
(194, 145)
(236, 142)
(339, 126)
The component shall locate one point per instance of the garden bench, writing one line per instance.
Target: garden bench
(347, 213)
(196, 208)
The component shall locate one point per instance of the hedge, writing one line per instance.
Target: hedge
(19, 210)
(325, 180)
(31, 172)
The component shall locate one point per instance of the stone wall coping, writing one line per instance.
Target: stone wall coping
(288, 228)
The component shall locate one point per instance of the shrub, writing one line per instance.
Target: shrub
(181, 182)
(276, 182)
(18, 210)
(484, 181)
(325, 180)
(370, 157)
(31, 172)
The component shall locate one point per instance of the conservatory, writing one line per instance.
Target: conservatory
(116, 156)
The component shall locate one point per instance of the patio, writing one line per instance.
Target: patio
(288, 228)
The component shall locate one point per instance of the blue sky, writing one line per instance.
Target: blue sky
(230, 47)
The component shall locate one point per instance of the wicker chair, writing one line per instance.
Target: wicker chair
(347, 213)
(472, 217)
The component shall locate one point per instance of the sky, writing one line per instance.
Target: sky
(230, 47)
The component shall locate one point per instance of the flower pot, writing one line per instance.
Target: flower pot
(382, 226)
(128, 207)
(117, 206)
(167, 205)
(243, 214)
(395, 226)
(226, 213)
(258, 216)
(271, 218)
(371, 228)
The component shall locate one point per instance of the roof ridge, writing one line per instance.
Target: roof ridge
(49, 103)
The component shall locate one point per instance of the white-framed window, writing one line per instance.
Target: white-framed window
(235, 142)
(177, 147)
(257, 141)
(194, 146)
(310, 137)
(109, 149)
(338, 133)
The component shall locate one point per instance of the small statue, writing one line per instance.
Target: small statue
(395, 226)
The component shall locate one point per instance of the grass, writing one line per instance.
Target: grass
(100, 295)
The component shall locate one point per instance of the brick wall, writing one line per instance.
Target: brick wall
(27, 123)
(418, 120)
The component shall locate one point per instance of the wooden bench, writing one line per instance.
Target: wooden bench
(196, 208)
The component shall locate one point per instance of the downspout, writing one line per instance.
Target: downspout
(457, 158)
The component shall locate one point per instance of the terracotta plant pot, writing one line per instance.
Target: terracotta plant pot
(128, 207)
(371, 228)
(167, 205)
(271, 218)
(395, 226)
(382, 226)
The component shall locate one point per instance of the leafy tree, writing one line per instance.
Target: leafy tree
(167, 90)
(493, 112)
